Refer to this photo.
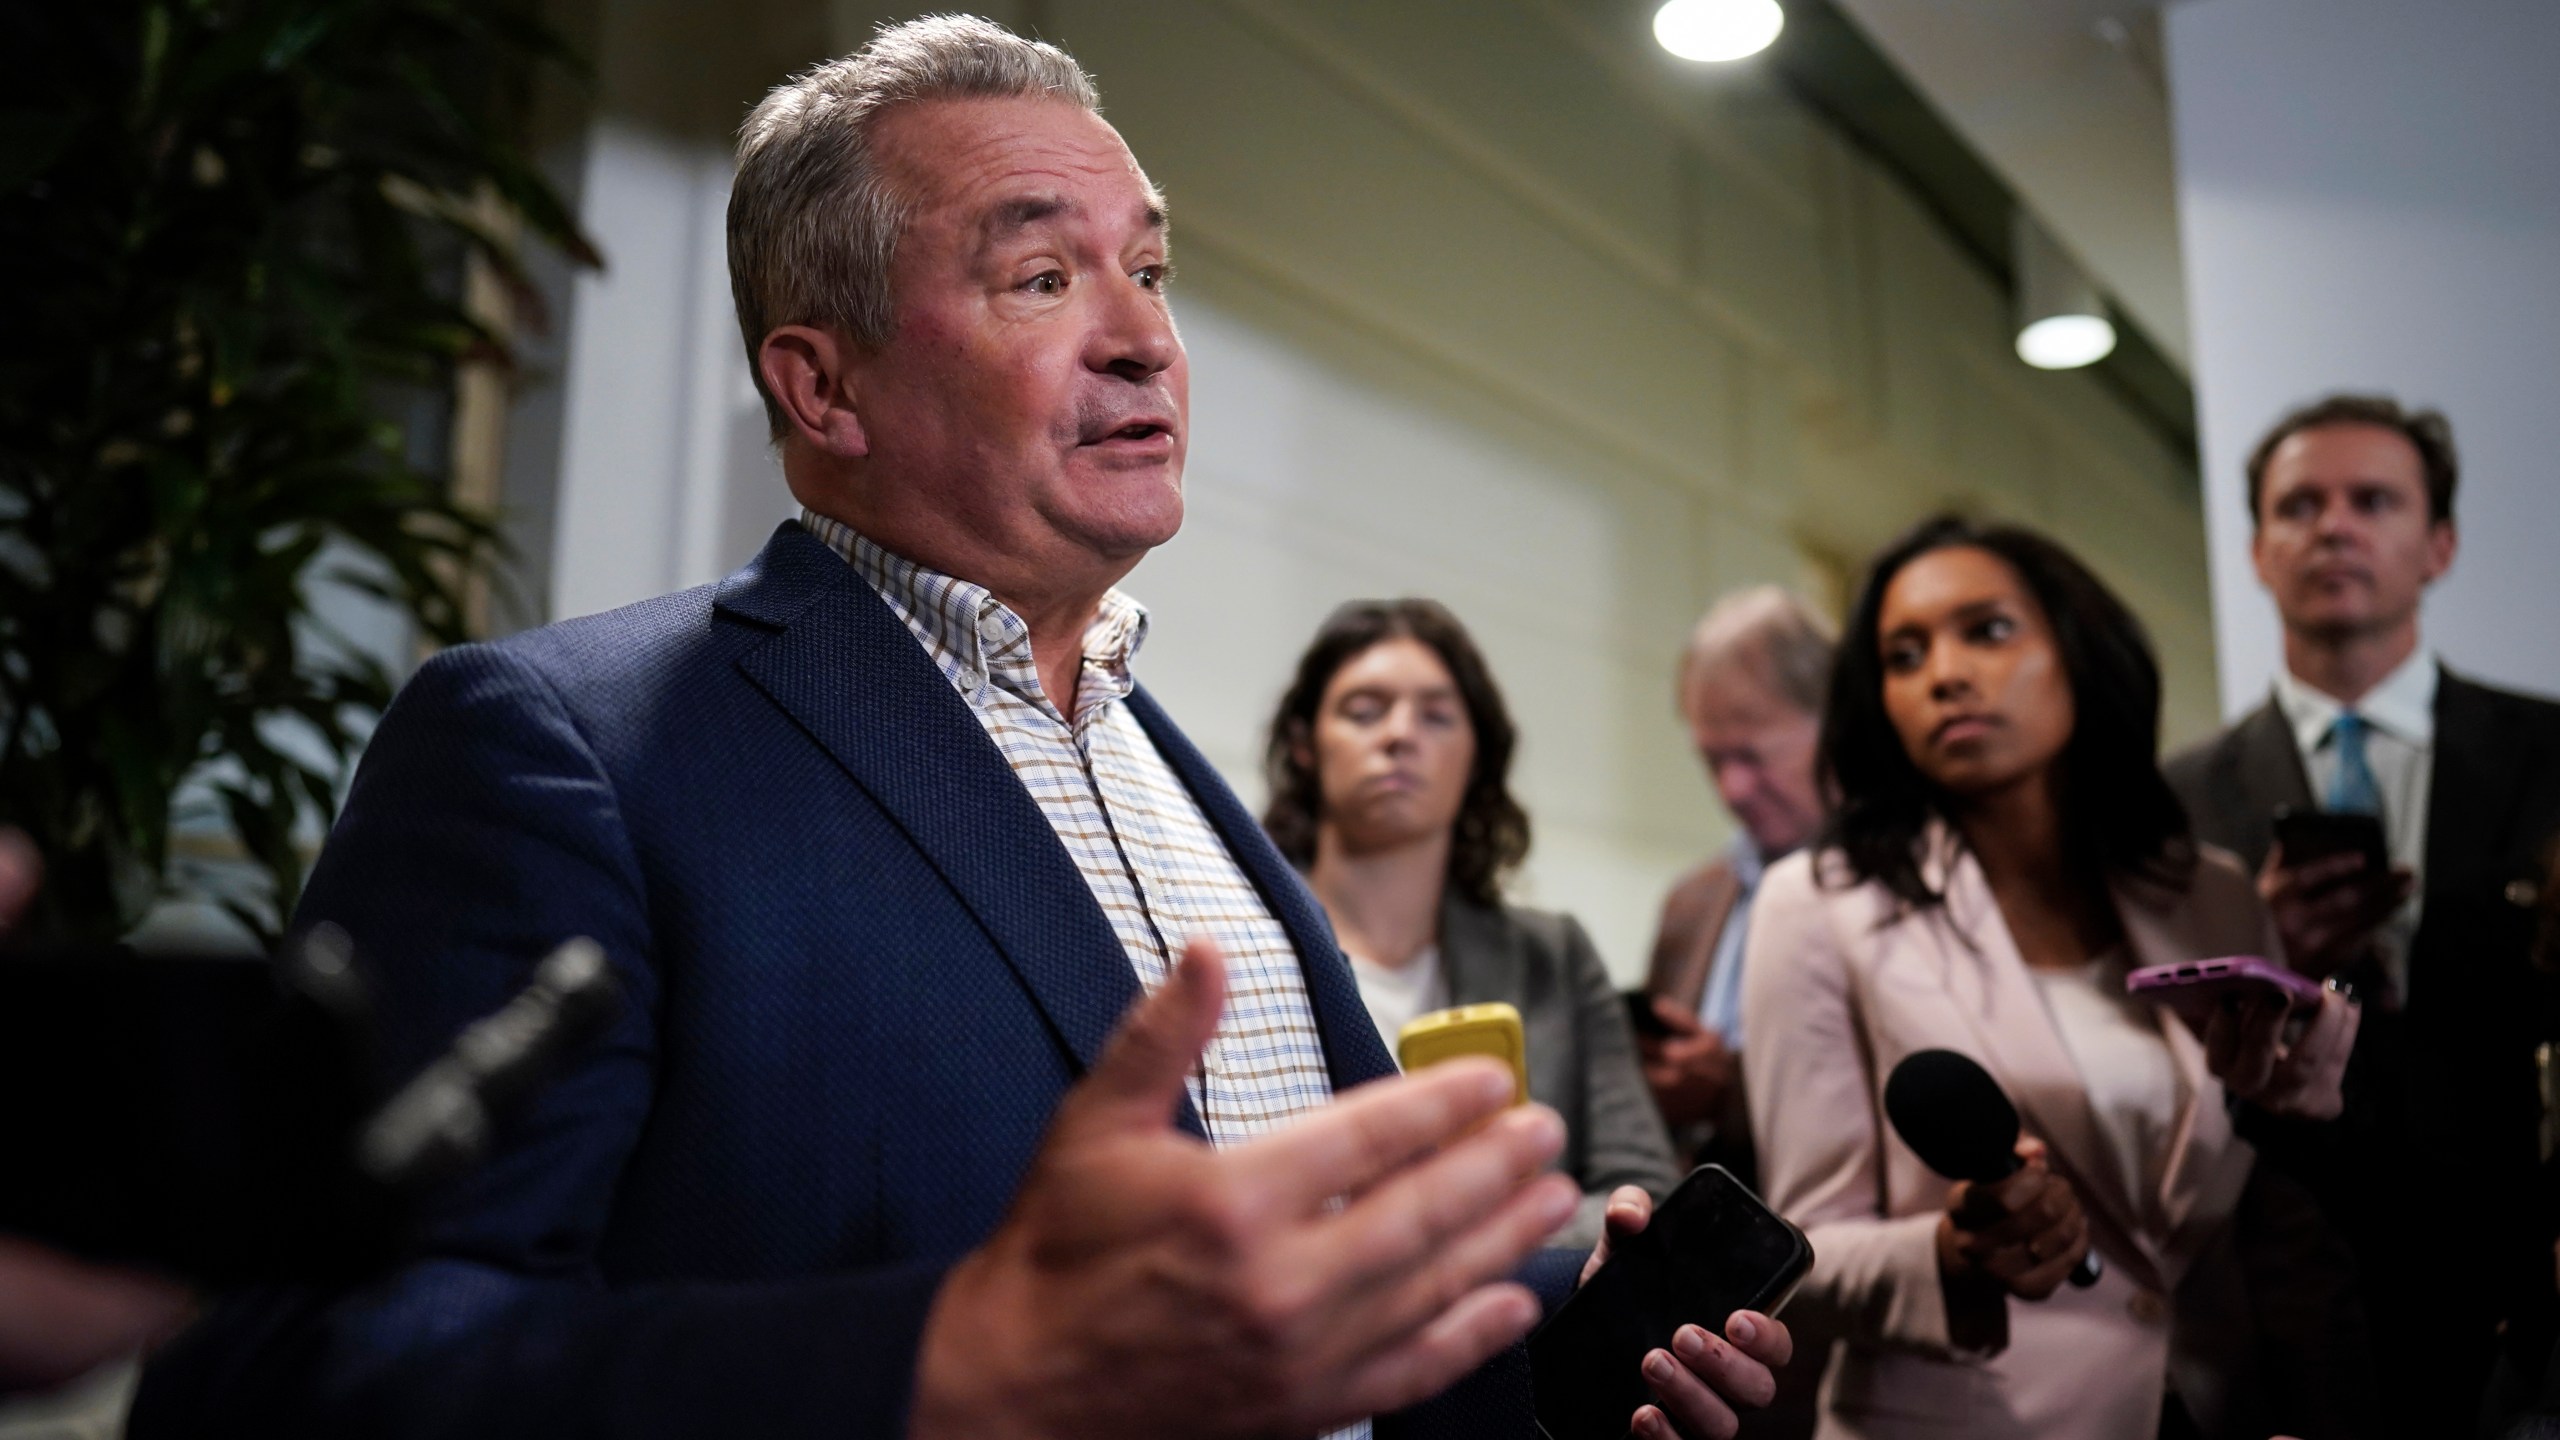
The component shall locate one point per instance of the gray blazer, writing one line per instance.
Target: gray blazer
(1582, 1057)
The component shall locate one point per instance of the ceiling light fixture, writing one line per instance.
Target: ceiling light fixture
(2062, 321)
(1717, 29)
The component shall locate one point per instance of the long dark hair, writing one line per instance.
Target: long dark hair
(1491, 835)
(2119, 817)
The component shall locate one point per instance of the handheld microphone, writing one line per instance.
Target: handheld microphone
(1953, 1115)
(440, 1122)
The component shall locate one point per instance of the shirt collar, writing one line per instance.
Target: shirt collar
(2403, 706)
(977, 640)
(1746, 862)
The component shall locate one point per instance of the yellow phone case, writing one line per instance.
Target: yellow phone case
(1491, 1029)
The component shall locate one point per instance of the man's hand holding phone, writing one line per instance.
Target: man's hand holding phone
(1687, 1066)
(2328, 907)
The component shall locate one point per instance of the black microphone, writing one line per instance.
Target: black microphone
(441, 1122)
(1953, 1115)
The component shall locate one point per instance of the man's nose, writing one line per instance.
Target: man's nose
(1136, 342)
(1735, 785)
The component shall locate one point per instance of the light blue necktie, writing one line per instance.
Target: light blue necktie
(2353, 787)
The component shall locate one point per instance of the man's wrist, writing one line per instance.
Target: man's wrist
(966, 1377)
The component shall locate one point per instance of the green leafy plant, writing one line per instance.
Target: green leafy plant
(236, 231)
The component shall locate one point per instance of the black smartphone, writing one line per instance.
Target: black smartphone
(1712, 1248)
(1640, 1014)
(2308, 835)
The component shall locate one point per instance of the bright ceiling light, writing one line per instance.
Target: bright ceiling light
(2062, 321)
(2066, 342)
(1717, 29)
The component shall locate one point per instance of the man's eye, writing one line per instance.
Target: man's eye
(1047, 282)
(1152, 277)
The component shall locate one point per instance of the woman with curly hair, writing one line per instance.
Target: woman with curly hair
(1389, 763)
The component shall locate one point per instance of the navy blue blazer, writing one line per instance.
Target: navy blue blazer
(862, 972)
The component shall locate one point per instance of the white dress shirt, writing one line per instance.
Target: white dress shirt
(2400, 740)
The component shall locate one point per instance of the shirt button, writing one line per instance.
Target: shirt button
(2146, 1307)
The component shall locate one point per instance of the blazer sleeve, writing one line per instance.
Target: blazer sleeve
(1625, 1143)
(1807, 1071)
(482, 830)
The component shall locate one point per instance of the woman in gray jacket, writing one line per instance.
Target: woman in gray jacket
(1388, 763)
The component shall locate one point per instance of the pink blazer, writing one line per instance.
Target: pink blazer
(1836, 990)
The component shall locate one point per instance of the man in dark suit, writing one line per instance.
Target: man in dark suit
(2431, 1172)
(885, 843)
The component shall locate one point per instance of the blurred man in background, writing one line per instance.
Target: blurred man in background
(1751, 689)
(2352, 503)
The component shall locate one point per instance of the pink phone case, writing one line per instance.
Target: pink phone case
(2194, 987)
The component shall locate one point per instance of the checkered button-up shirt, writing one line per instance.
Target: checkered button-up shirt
(1155, 864)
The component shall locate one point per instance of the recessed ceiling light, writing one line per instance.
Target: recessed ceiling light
(2062, 320)
(1717, 29)
(2066, 342)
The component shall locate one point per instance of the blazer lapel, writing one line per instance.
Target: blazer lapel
(2265, 772)
(2201, 1177)
(1682, 974)
(853, 676)
(2471, 808)
(1353, 1052)
(2025, 1053)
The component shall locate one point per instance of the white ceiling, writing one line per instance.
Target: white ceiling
(2063, 98)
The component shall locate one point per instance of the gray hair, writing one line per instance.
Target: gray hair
(1772, 633)
(813, 219)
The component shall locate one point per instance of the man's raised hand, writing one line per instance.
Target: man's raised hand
(1347, 1264)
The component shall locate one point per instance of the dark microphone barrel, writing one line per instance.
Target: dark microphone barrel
(1955, 1117)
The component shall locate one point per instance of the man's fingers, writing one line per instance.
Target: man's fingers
(1465, 1336)
(1408, 1301)
(1140, 1076)
(1413, 1223)
(1374, 1131)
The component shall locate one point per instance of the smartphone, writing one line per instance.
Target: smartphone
(1642, 1016)
(2318, 834)
(2196, 988)
(1491, 1029)
(1712, 1248)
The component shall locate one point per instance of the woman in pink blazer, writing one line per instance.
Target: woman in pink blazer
(2004, 852)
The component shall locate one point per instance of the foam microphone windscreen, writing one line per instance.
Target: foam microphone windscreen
(1952, 1114)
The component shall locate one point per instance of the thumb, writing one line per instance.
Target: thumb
(1140, 1075)
(2031, 1152)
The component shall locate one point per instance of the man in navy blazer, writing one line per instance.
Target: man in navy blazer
(902, 1132)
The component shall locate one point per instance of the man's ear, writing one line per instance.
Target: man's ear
(2442, 541)
(809, 373)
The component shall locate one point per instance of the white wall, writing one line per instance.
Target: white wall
(1487, 300)
(2371, 200)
